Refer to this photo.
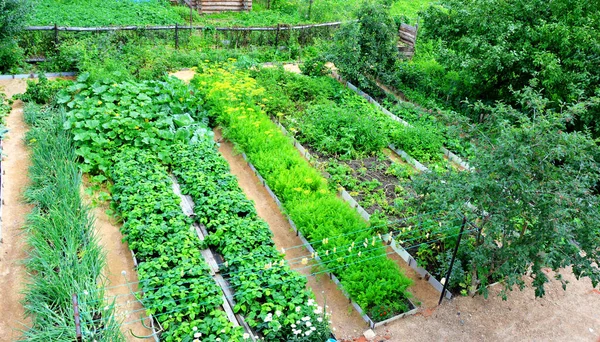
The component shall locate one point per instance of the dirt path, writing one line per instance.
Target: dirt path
(572, 315)
(12, 249)
(346, 321)
(118, 259)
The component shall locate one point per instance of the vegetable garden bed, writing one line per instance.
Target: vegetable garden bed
(335, 230)
(381, 187)
(372, 323)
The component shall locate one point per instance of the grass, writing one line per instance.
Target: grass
(64, 256)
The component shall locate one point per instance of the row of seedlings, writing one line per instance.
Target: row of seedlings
(367, 178)
(347, 246)
(272, 297)
(177, 286)
(64, 255)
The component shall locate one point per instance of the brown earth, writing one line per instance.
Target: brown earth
(15, 164)
(346, 320)
(118, 259)
(572, 315)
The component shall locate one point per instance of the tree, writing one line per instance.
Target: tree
(556, 42)
(12, 19)
(364, 48)
(533, 193)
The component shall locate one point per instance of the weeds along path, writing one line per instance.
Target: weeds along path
(118, 259)
(14, 211)
(346, 321)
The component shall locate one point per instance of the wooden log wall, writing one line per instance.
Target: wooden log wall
(407, 39)
(212, 6)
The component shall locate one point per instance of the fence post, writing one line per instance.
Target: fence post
(176, 36)
(78, 336)
(55, 36)
(310, 8)
(462, 228)
(277, 35)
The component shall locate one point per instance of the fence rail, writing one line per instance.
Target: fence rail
(280, 27)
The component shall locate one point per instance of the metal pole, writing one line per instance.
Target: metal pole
(462, 228)
(78, 336)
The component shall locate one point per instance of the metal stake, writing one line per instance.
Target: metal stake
(462, 228)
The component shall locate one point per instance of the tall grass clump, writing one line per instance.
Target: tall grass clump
(64, 256)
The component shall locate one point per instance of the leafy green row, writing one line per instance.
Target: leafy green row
(105, 116)
(178, 289)
(271, 296)
(371, 279)
(336, 121)
(64, 256)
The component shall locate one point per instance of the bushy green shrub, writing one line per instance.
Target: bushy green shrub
(336, 130)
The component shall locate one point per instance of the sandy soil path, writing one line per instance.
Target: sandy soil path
(572, 315)
(346, 321)
(118, 259)
(14, 211)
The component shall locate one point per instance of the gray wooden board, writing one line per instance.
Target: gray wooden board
(187, 207)
(237, 320)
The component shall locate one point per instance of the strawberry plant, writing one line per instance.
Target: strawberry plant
(178, 288)
(271, 296)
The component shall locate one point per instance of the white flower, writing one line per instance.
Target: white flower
(293, 325)
(222, 331)
(306, 318)
(196, 340)
(198, 335)
(296, 332)
(317, 310)
(313, 328)
(278, 313)
(246, 336)
(308, 324)
(310, 302)
(218, 339)
(307, 332)
(297, 309)
(86, 293)
(319, 319)
(269, 318)
(195, 328)
(106, 308)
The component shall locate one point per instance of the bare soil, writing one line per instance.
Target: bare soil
(572, 315)
(184, 75)
(346, 320)
(118, 260)
(14, 211)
